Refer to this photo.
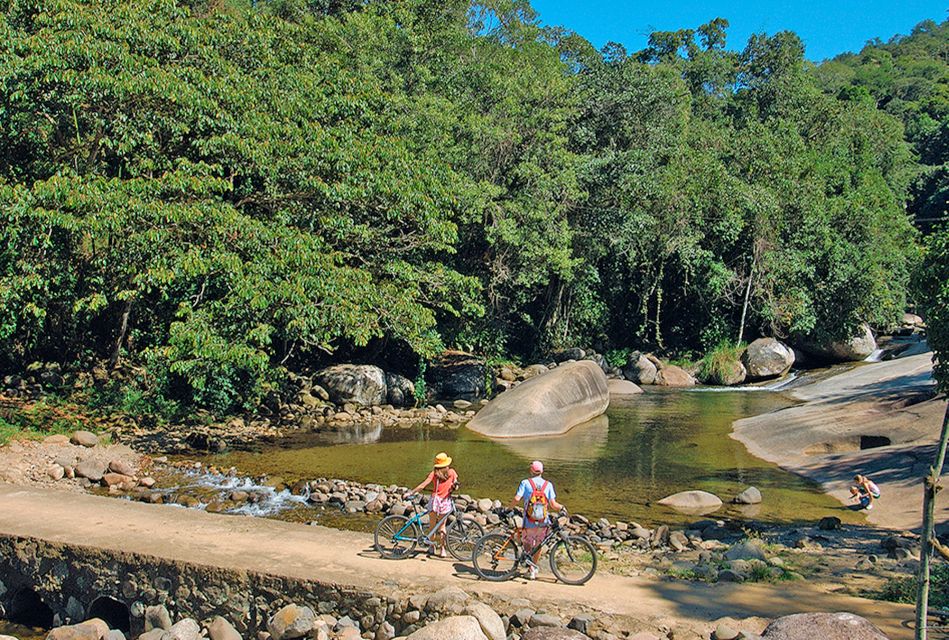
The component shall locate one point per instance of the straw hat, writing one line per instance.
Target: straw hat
(442, 460)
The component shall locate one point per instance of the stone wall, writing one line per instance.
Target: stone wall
(70, 579)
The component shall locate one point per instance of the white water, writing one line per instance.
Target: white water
(777, 385)
(875, 356)
(268, 500)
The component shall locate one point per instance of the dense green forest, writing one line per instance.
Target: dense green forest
(217, 192)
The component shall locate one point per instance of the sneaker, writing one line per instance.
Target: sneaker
(869, 506)
(532, 573)
(443, 553)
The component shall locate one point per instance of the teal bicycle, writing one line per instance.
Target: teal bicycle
(397, 536)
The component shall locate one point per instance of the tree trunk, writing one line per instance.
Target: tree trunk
(930, 489)
(744, 306)
(123, 331)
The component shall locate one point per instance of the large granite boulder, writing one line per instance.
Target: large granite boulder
(826, 626)
(692, 501)
(622, 388)
(361, 384)
(767, 358)
(640, 369)
(400, 391)
(857, 348)
(550, 404)
(672, 376)
(456, 375)
(455, 627)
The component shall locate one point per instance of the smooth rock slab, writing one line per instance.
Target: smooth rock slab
(825, 626)
(550, 404)
(455, 628)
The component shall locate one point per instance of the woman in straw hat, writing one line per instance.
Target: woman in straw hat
(445, 479)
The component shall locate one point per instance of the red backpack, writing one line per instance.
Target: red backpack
(537, 504)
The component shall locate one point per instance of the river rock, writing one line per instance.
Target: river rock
(856, 348)
(221, 629)
(157, 617)
(491, 624)
(401, 390)
(82, 631)
(121, 467)
(622, 388)
(672, 376)
(573, 353)
(360, 384)
(746, 550)
(93, 470)
(732, 373)
(751, 495)
(84, 439)
(450, 600)
(826, 626)
(553, 633)
(550, 404)
(692, 501)
(186, 629)
(291, 622)
(639, 369)
(455, 374)
(767, 358)
(456, 628)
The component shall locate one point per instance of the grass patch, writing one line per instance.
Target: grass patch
(38, 420)
(904, 589)
(720, 364)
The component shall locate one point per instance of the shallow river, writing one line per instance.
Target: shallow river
(661, 442)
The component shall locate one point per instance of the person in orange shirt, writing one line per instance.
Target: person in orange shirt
(446, 481)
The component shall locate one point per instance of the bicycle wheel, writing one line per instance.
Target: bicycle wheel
(396, 537)
(495, 557)
(461, 536)
(573, 560)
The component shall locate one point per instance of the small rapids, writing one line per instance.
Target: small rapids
(777, 385)
(876, 356)
(218, 489)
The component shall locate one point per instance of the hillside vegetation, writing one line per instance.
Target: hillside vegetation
(218, 192)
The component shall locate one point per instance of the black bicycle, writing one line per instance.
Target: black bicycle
(397, 536)
(498, 556)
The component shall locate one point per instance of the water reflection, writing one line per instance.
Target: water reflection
(354, 434)
(584, 443)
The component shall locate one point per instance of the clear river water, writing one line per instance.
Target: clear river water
(617, 466)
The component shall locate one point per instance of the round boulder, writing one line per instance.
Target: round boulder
(291, 622)
(553, 633)
(455, 627)
(751, 495)
(400, 390)
(551, 404)
(640, 369)
(361, 384)
(672, 376)
(767, 358)
(692, 501)
(84, 439)
(859, 347)
(622, 388)
(826, 626)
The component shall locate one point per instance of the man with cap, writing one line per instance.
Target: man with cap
(538, 498)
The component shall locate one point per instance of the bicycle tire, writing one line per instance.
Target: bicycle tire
(495, 557)
(462, 535)
(384, 537)
(573, 560)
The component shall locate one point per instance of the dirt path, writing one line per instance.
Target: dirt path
(822, 438)
(346, 558)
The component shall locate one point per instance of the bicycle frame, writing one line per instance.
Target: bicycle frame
(417, 519)
(554, 532)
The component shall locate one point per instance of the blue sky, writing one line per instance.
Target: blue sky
(827, 28)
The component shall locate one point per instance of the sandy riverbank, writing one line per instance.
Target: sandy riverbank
(837, 431)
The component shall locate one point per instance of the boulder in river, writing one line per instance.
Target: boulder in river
(751, 495)
(767, 358)
(622, 388)
(640, 369)
(400, 390)
(361, 384)
(672, 376)
(826, 626)
(455, 375)
(859, 347)
(692, 501)
(550, 404)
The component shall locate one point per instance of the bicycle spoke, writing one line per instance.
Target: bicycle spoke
(396, 536)
(573, 560)
(495, 557)
(462, 535)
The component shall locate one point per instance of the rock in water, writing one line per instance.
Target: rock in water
(672, 376)
(550, 404)
(861, 345)
(622, 388)
(826, 626)
(639, 369)
(401, 390)
(692, 501)
(767, 358)
(751, 495)
(361, 384)
(456, 628)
